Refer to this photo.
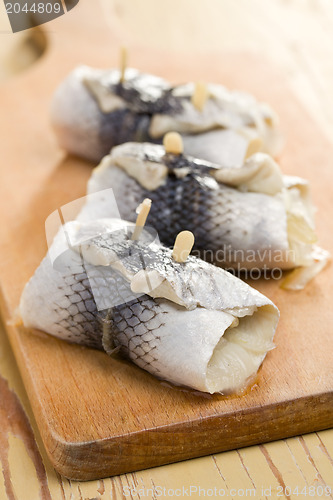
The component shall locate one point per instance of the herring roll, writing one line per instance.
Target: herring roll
(189, 322)
(94, 110)
(243, 218)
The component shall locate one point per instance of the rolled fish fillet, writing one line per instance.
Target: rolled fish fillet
(242, 218)
(92, 111)
(189, 323)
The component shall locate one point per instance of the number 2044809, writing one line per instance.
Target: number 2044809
(39, 8)
(307, 491)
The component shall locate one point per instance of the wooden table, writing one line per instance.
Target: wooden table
(298, 37)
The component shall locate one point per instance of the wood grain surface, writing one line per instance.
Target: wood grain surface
(99, 416)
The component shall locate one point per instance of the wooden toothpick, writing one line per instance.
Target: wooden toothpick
(199, 96)
(144, 209)
(183, 246)
(173, 143)
(123, 63)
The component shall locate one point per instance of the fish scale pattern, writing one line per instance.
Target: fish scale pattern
(135, 328)
(197, 204)
(76, 311)
(95, 306)
(121, 126)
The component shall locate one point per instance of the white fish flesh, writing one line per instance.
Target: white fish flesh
(92, 111)
(191, 323)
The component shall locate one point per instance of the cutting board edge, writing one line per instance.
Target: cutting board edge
(137, 450)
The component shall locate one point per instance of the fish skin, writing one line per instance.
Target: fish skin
(67, 310)
(61, 302)
(186, 280)
(84, 130)
(221, 218)
(153, 332)
(240, 216)
(143, 93)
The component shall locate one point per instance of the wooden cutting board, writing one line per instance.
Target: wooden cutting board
(100, 416)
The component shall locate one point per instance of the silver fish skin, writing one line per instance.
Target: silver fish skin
(241, 223)
(196, 325)
(92, 111)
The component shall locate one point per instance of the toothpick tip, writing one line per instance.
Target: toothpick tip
(173, 143)
(200, 95)
(183, 246)
(143, 212)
